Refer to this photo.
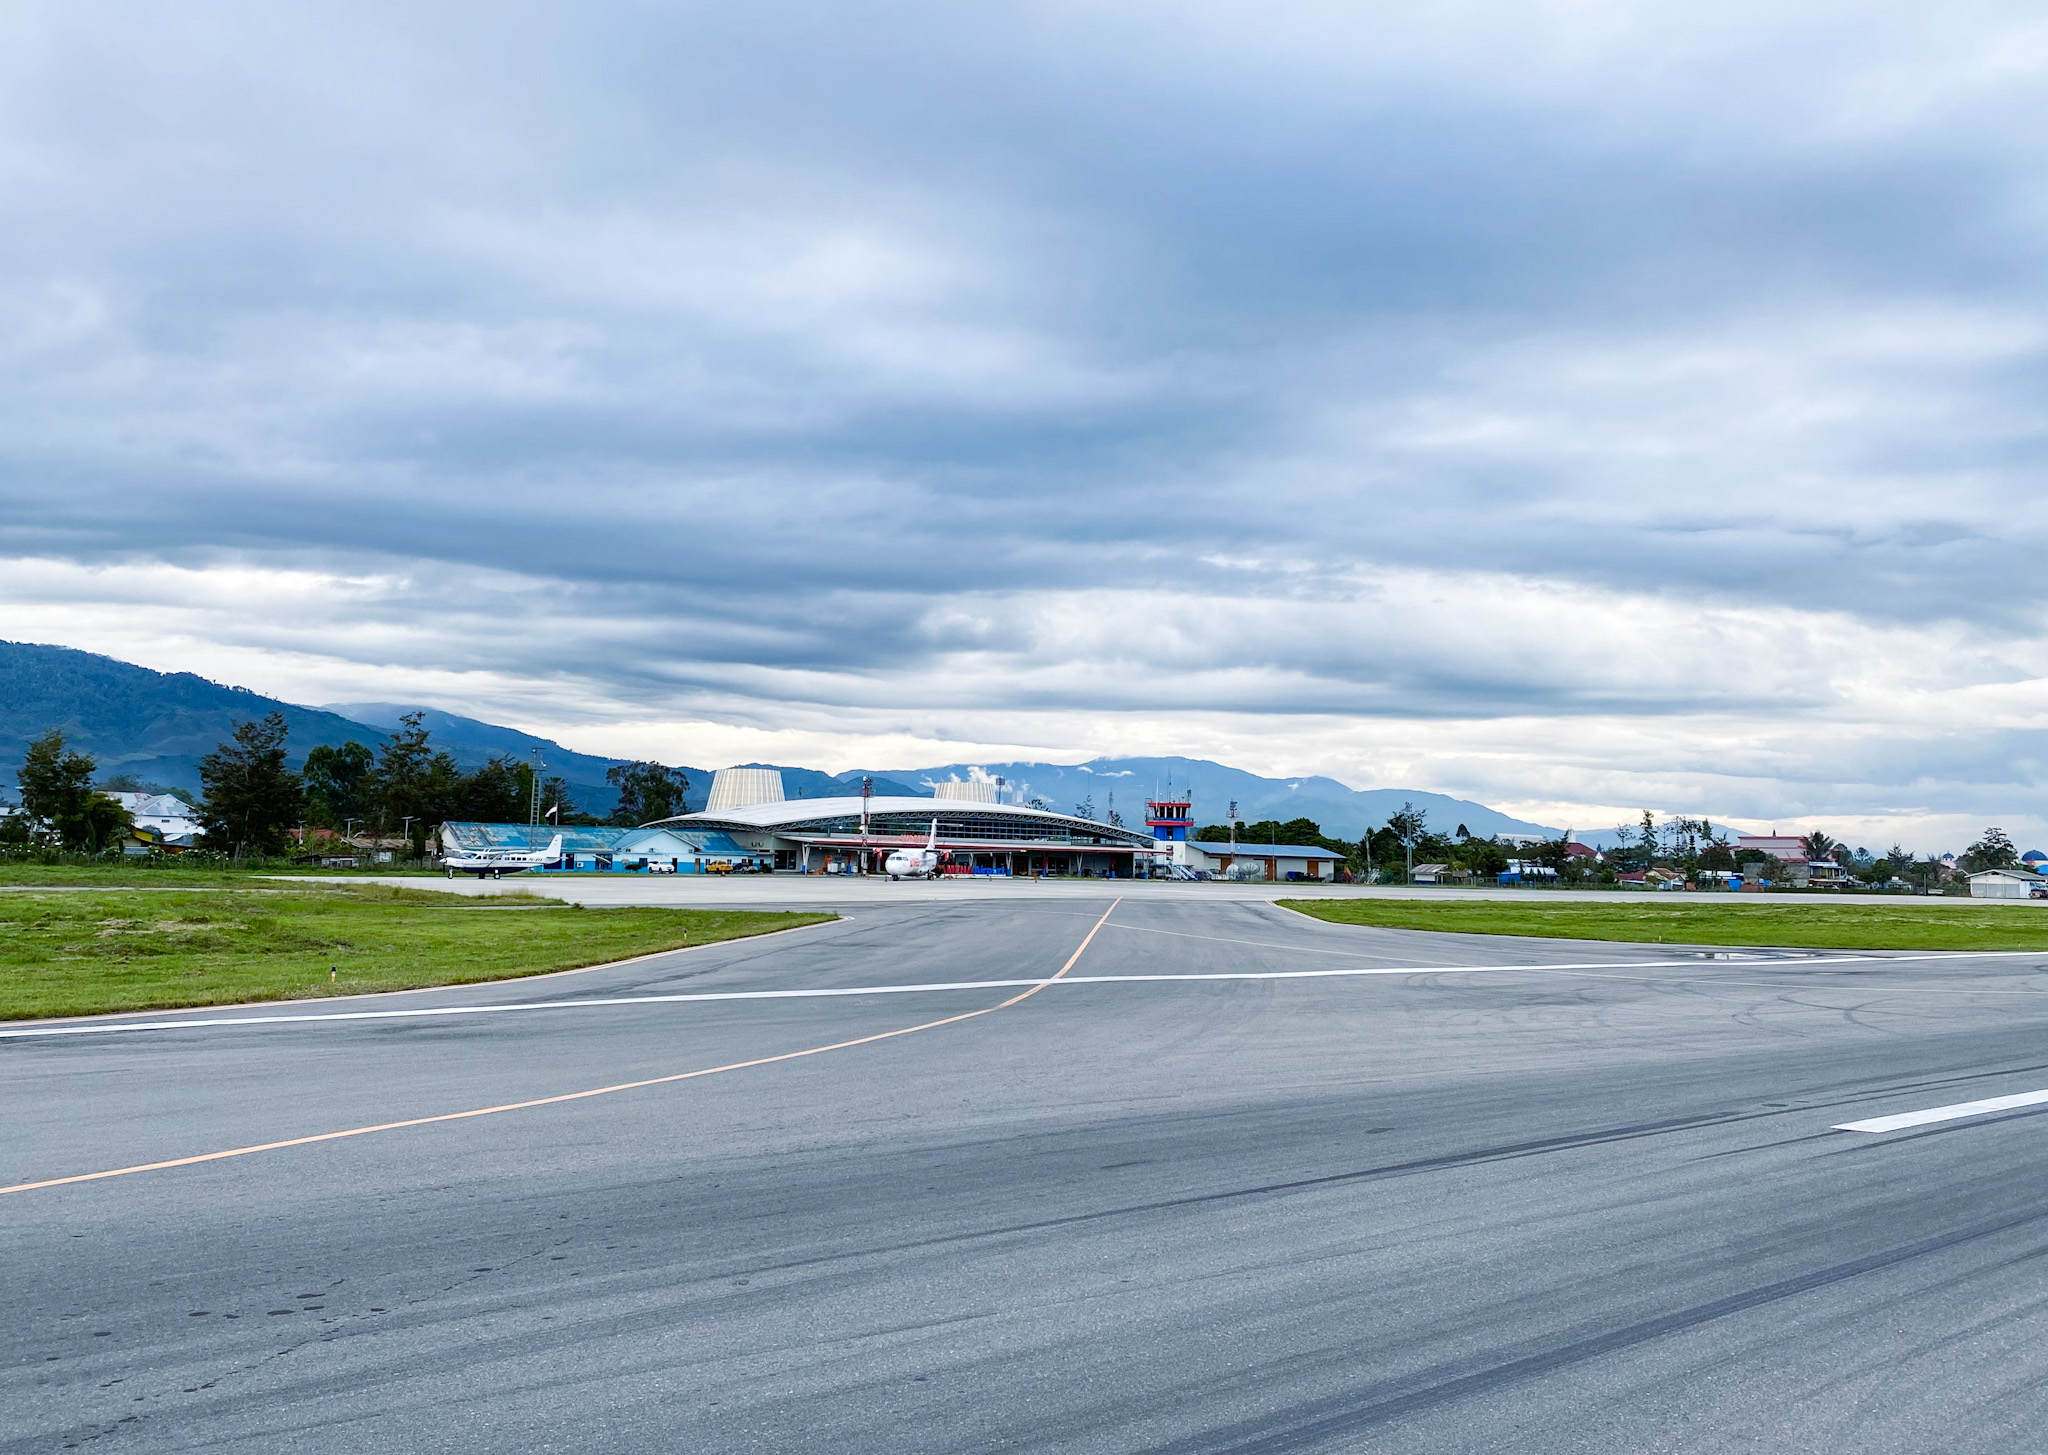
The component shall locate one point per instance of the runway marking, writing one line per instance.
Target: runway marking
(484, 1111)
(1589, 969)
(1961, 1109)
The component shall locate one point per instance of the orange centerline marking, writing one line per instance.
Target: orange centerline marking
(485, 1111)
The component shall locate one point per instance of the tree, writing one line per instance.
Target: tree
(495, 793)
(1995, 850)
(1484, 857)
(251, 797)
(404, 776)
(337, 784)
(58, 799)
(1551, 853)
(647, 791)
(412, 781)
(1408, 826)
(1085, 808)
(1817, 846)
(556, 807)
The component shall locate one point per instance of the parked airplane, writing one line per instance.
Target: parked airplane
(499, 862)
(917, 863)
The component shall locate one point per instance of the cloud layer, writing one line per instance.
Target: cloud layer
(1577, 406)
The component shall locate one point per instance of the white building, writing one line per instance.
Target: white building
(2008, 884)
(167, 818)
(1276, 862)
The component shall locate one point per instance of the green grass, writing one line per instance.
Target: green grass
(145, 875)
(1898, 924)
(83, 951)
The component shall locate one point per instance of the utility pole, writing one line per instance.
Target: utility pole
(867, 793)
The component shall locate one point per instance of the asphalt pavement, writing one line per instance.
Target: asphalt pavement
(1347, 1189)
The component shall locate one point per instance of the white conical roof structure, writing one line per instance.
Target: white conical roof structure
(743, 788)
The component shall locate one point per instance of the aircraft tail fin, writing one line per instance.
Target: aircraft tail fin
(554, 848)
(932, 842)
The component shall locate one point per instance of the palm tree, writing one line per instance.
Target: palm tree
(1818, 847)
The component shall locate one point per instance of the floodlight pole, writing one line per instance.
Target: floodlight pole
(867, 793)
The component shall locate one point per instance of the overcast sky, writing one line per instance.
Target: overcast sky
(1581, 407)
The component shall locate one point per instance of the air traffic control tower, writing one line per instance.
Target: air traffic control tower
(1170, 817)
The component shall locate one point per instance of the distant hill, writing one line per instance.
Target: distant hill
(157, 726)
(1343, 812)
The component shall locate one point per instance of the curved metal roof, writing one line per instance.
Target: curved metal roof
(797, 814)
(1251, 849)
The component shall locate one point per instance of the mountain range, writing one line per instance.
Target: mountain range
(155, 726)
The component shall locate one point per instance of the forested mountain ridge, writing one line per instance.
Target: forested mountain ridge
(158, 725)
(155, 725)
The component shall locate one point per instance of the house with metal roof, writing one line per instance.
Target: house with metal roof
(1279, 863)
(2008, 884)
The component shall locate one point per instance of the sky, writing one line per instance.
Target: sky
(1580, 407)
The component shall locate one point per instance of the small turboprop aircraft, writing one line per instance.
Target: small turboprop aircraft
(499, 862)
(917, 863)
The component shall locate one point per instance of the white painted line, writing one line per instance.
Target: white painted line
(95, 1028)
(448, 1010)
(1945, 1113)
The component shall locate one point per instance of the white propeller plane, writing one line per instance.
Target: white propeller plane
(499, 862)
(917, 863)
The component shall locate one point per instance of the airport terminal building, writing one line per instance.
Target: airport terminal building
(854, 835)
(747, 826)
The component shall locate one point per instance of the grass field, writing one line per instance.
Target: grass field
(145, 875)
(82, 951)
(1892, 924)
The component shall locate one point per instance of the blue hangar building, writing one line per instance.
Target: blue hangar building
(601, 848)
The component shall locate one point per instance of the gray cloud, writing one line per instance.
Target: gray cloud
(794, 362)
